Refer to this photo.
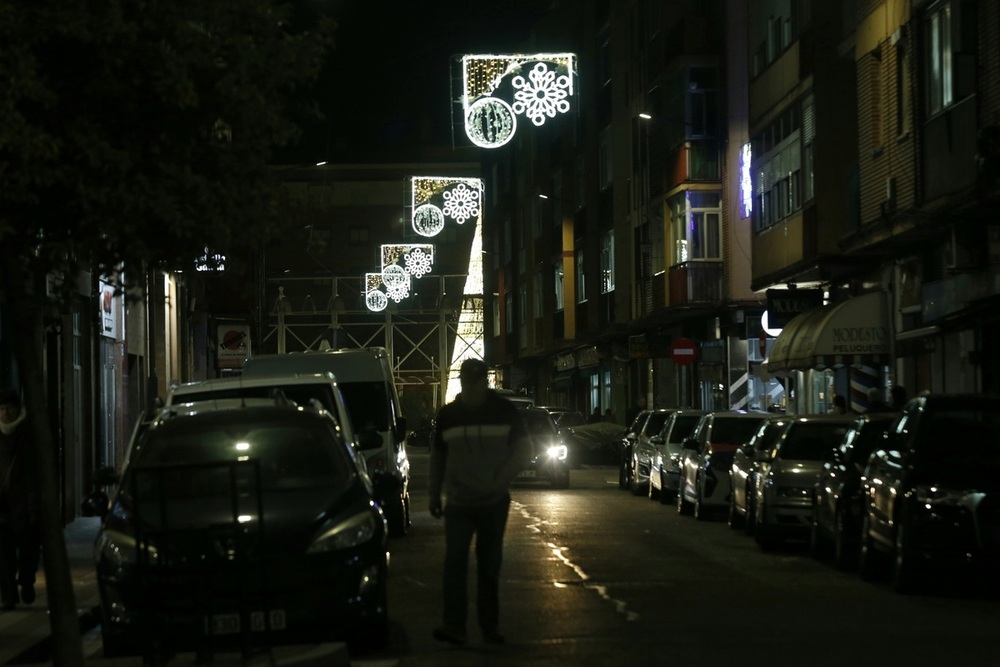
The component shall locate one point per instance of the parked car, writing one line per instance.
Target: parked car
(743, 473)
(707, 457)
(784, 485)
(366, 380)
(625, 447)
(931, 494)
(643, 451)
(549, 454)
(836, 512)
(238, 527)
(665, 468)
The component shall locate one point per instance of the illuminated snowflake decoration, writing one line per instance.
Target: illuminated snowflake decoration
(418, 263)
(394, 276)
(428, 220)
(543, 94)
(376, 300)
(398, 292)
(490, 122)
(461, 203)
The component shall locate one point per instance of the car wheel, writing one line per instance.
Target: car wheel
(666, 496)
(750, 520)
(735, 521)
(845, 553)
(397, 519)
(683, 506)
(905, 569)
(764, 534)
(817, 544)
(867, 557)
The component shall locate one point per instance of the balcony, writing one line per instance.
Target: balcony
(696, 281)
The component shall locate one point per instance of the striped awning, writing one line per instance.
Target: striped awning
(849, 333)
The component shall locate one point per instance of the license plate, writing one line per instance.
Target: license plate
(526, 473)
(228, 624)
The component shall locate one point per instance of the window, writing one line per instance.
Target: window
(536, 294)
(696, 224)
(939, 65)
(605, 173)
(581, 276)
(358, 235)
(608, 262)
(875, 101)
(496, 316)
(903, 111)
(557, 273)
(509, 312)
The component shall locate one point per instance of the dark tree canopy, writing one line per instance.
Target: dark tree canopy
(140, 131)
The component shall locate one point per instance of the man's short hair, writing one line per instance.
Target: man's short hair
(10, 397)
(472, 369)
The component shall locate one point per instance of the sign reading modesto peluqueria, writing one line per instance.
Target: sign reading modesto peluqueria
(500, 90)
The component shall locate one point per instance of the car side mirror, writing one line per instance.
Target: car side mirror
(689, 443)
(656, 440)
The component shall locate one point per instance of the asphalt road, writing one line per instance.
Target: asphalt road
(593, 575)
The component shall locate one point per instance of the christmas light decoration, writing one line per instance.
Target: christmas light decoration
(434, 198)
(497, 89)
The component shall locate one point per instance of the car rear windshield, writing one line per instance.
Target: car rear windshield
(301, 394)
(300, 455)
(367, 403)
(734, 431)
(811, 441)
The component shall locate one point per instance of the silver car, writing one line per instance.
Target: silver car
(665, 469)
(707, 457)
(643, 451)
(743, 474)
(784, 488)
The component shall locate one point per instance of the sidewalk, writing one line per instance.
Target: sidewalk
(26, 626)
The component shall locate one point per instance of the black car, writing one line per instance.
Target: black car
(549, 454)
(241, 527)
(836, 512)
(931, 494)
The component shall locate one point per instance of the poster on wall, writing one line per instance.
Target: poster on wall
(108, 304)
(233, 346)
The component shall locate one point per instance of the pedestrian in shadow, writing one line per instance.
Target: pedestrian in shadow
(20, 534)
(479, 446)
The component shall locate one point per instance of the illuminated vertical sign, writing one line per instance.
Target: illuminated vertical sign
(499, 89)
(746, 181)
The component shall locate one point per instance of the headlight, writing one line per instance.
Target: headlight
(351, 532)
(557, 452)
(120, 548)
(795, 492)
(934, 495)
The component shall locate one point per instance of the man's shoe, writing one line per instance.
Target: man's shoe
(27, 594)
(449, 636)
(493, 637)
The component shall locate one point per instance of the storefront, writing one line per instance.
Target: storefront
(842, 348)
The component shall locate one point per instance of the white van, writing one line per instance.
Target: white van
(364, 376)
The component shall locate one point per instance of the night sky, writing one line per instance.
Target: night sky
(386, 88)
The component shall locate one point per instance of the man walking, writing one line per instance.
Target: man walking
(480, 444)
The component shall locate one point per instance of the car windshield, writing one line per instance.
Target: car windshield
(199, 459)
(366, 404)
(538, 423)
(301, 394)
(655, 422)
(734, 431)
(974, 433)
(682, 428)
(811, 441)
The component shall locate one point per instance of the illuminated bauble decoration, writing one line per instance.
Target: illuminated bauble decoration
(428, 220)
(542, 94)
(490, 122)
(394, 275)
(376, 300)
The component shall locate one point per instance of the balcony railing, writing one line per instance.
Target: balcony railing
(696, 281)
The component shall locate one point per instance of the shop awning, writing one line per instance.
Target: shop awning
(852, 332)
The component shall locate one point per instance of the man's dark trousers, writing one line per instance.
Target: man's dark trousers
(20, 555)
(487, 523)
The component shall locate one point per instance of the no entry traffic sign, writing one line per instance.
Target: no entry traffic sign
(682, 351)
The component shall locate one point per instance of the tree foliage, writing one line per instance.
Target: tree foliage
(133, 133)
(140, 130)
